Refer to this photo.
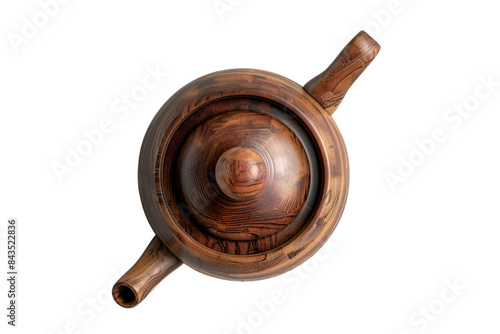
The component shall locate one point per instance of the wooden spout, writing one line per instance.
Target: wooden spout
(330, 87)
(152, 267)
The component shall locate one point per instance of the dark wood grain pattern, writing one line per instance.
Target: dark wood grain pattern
(283, 188)
(243, 174)
(260, 223)
(152, 267)
(330, 87)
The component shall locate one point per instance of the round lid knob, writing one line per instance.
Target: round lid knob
(240, 173)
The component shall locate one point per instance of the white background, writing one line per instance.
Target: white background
(395, 250)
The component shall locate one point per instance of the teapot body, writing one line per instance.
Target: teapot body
(243, 174)
(183, 184)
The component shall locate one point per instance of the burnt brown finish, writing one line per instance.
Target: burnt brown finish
(154, 265)
(330, 87)
(243, 175)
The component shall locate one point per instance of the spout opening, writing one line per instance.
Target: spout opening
(125, 296)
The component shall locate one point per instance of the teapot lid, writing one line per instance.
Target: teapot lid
(243, 175)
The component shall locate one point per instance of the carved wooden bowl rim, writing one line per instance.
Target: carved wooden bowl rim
(333, 163)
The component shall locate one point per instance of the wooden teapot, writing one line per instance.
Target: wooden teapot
(243, 174)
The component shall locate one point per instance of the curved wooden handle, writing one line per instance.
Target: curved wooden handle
(153, 266)
(330, 87)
